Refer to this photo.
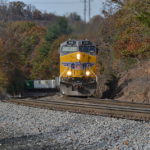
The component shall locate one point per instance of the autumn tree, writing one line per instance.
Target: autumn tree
(43, 61)
(126, 32)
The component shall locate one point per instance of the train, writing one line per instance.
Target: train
(78, 75)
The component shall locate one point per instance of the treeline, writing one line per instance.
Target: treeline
(17, 10)
(30, 39)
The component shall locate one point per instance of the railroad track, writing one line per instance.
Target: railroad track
(91, 106)
(108, 101)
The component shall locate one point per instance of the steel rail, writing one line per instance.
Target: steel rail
(96, 106)
(109, 101)
(97, 101)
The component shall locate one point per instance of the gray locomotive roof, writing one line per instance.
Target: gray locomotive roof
(78, 42)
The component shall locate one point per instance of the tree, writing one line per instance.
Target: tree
(59, 28)
(17, 10)
(74, 17)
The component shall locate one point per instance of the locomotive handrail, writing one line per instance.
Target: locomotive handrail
(63, 73)
(94, 74)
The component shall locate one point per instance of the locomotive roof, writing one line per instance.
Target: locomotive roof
(78, 43)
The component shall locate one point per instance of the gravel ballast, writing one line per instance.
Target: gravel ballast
(28, 128)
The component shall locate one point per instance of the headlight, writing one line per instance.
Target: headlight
(78, 56)
(87, 73)
(69, 73)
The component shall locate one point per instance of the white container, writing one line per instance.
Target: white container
(52, 84)
(57, 81)
(44, 84)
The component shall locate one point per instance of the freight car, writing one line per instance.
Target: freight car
(37, 88)
(40, 84)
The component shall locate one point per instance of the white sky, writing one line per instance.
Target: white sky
(64, 7)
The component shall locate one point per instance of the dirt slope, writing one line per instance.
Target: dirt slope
(134, 84)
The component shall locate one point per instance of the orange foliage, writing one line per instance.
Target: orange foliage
(133, 45)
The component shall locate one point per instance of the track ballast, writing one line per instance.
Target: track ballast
(110, 108)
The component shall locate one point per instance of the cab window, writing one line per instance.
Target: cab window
(88, 49)
(69, 49)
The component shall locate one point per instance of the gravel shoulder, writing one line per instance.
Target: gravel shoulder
(28, 128)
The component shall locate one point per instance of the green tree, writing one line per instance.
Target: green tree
(59, 28)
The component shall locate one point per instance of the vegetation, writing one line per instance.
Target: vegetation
(30, 39)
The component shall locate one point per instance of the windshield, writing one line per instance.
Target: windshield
(68, 49)
(88, 49)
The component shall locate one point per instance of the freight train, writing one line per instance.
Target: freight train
(78, 68)
(41, 84)
(37, 88)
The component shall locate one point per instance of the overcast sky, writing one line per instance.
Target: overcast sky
(64, 7)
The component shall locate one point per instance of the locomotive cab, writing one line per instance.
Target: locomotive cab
(78, 68)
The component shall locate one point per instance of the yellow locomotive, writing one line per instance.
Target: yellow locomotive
(78, 68)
